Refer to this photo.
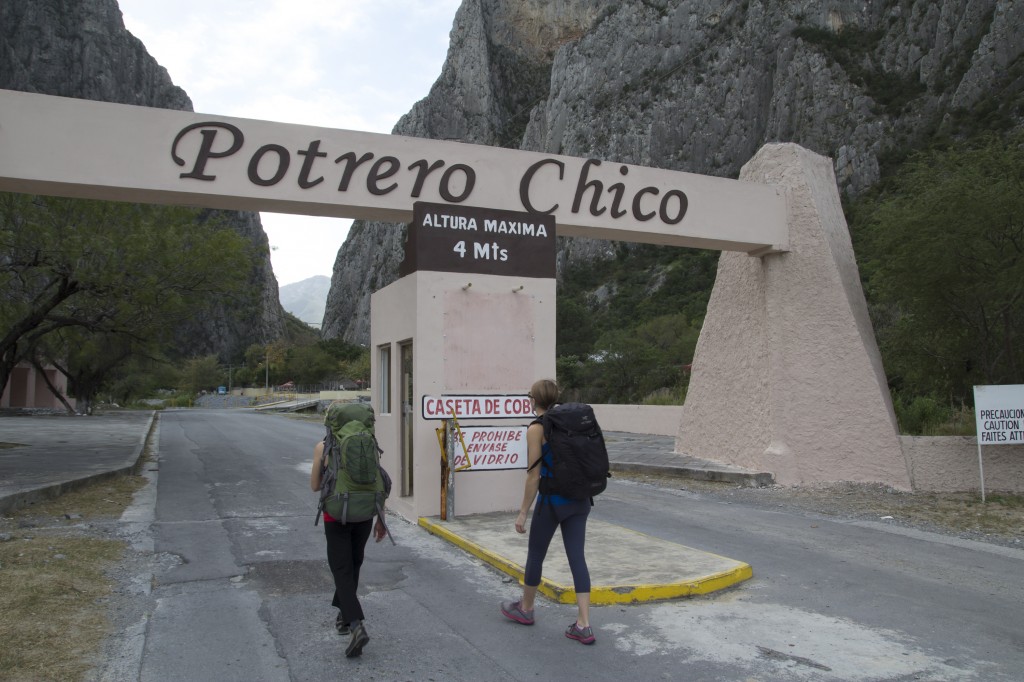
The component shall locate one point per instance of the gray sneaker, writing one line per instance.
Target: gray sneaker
(514, 611)
(358, 641)
(342, 627)
(581, 635)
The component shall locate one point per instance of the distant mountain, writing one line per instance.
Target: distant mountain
(307, 299)
(82, 49)
(699, 86)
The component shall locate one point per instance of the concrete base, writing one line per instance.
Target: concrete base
(787, 377)
(630, 567)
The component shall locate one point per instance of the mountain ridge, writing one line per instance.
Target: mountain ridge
(700, 86)
(306, 299)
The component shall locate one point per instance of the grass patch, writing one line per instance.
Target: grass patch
(104, 499)
(51, 624)
(53, 571)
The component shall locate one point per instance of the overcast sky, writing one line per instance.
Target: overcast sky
(352, 64)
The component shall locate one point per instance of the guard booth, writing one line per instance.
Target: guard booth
(467, 328)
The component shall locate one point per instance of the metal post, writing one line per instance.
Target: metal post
(451, 447)
(981, 469)
(442, 439)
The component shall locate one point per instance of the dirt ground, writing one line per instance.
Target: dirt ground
(1000, 520)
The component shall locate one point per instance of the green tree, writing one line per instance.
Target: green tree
(267, 362)
(243, 376)
(140, 376)
(342, 350)
(575, 328)
(357, 368)
(90, 359)
(200, 374)
(309, 364)
(115, 269)
(943, 255)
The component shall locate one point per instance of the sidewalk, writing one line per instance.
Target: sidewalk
(667, 570)
(54, 454)
(44, 456)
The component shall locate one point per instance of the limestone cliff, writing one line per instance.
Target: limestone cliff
(700, 86)
(82, 49)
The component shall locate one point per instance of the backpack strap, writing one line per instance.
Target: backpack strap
(324, 483)
(380, 516)
(538, 420)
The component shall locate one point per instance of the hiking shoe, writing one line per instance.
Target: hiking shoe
(341, 625)
(514, 611)
(358, 641)
(581, 635)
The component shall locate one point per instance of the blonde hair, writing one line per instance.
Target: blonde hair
(544, 393)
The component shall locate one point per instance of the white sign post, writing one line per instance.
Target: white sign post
(999, 415)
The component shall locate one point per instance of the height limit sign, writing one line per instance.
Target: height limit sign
(455, 238)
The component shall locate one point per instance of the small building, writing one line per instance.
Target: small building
(27, 388)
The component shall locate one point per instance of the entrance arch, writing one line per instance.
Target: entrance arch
(787, 376)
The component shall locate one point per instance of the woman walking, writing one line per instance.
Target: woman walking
(346, 543)
(552, 512)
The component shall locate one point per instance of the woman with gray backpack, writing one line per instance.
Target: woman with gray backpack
(353, 488)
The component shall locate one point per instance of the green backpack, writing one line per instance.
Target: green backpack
(354, 486)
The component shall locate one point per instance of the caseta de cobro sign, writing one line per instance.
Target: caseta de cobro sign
(476, 407)
(492, 447)
(999, 413)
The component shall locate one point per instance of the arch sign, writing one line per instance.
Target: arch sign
(80, 148)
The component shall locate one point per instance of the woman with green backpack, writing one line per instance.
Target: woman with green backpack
(348, 455)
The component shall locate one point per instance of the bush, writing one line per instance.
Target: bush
(181, 400)
(926, 416)
(675, 395)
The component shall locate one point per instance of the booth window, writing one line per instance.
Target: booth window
(385, 380)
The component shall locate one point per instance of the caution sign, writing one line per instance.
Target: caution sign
(490, 448)
(999, 414)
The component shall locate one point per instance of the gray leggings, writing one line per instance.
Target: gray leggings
(572, 518)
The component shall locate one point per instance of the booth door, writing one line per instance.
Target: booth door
(406, 398)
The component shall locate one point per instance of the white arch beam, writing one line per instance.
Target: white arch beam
(79, 148)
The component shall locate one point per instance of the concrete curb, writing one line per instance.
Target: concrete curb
(750, 479)
(602, 595)
(23, 498)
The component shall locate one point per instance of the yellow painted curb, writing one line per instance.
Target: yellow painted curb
(499, 562)
(599, 594)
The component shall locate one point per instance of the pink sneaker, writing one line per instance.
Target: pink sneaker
(581, 635)
(514, 611)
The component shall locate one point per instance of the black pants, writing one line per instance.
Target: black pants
(345, 545)
(571, 517)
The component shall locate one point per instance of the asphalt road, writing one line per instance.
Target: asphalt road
(242, 591)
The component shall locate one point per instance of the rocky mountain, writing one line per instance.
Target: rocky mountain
(82, 49)
(307, 299)
(700, 86)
